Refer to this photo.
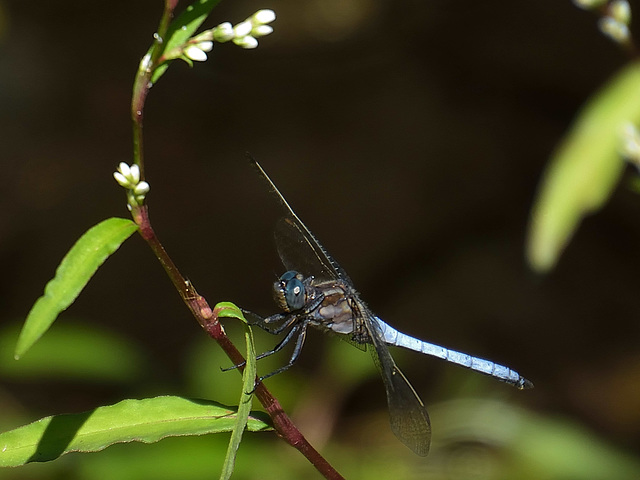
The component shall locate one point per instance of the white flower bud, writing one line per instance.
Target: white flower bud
(145, 63)
(134, 174)
(225, 27)
(262, 17)
(205, 46)
(129, 178)
(124, 169)
(247, 42)
(141, 189)
(242, 29)
(261, 30)
(195, 53)
(121, 179)
(205, 36)
(223, 32)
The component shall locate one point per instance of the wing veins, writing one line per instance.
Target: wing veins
(408, 415)
(328, 263)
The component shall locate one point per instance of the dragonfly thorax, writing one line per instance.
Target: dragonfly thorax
(289, 291)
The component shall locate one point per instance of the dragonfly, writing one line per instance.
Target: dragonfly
(315, 291)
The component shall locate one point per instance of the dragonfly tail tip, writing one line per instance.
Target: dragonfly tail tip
(525, 384)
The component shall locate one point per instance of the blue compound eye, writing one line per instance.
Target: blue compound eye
(294, 292)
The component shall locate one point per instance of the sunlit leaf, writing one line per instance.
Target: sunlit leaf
(73, 273)
(585, 168)
(147, 421)
(229, 310)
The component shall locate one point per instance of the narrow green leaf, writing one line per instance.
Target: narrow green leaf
(146, 421)
(584, 170)
(73, 273)
(226, 309)
(229, 310)
(182, 29)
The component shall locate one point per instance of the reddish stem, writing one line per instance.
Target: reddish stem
(208, 319)
(201, 310)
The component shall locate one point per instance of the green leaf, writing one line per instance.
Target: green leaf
(72, 352)
(73, 273)
(182, 29)
(229, 310)
(147, 421)
(585, 168)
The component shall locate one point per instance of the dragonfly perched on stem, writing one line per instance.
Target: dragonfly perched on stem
(315, 291)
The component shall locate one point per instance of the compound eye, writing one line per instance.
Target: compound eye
(294, 291)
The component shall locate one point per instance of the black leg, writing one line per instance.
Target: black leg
(265, 323)
(296, 351)
(296, 321)
(288, 321)
(288, 337)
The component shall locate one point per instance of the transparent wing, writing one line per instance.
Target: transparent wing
(409, 418)
(298, 248)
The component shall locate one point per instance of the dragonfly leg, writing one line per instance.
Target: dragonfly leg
(301, 329)
(276, 349)
(313, 304)
(288, 320)
(288, 337)
(265, 322)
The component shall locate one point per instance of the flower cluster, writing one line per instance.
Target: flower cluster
(244, 34)
(129, 178)
(615, 21)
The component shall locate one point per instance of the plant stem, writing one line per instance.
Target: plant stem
(208, 320)
(204, 314)
(142, 83)
(167, 15)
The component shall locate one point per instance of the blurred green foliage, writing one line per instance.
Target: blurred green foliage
(72, 351)
(585, 168)
(475, 437)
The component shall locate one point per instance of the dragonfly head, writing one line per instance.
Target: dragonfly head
(289, 291)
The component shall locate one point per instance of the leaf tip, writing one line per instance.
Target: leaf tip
(21, 347)
(541, 257)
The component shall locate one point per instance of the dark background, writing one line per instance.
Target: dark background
(410, 136)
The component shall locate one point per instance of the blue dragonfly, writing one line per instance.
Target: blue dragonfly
(315, 291)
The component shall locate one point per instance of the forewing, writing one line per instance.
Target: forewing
(300, 253)
(408, 415)
(352, 342)
(298, 248)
